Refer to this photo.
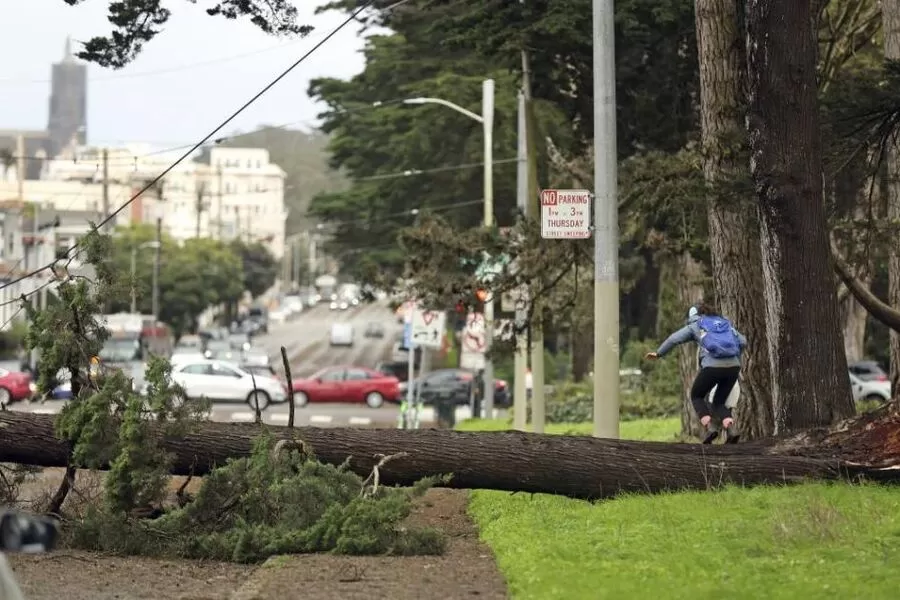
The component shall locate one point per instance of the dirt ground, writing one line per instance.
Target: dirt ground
(466, 570)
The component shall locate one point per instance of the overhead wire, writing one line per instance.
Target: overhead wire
(205, 139)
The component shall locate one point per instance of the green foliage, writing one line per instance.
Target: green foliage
(273, 502)
(280, 500)
(137, 22)
(193, 276)
(574, 403)
(13, 339)
(260, 269)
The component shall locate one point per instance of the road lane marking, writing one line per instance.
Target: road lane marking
(243, 417)
(279, 417)
(360, 421)
(321, 419)
(45, 411)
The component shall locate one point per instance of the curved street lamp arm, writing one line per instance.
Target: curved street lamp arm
(448, 104)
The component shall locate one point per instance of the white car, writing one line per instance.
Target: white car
(872, 391)
(342, 334)
(220, 381)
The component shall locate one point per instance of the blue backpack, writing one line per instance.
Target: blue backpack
(717, 337)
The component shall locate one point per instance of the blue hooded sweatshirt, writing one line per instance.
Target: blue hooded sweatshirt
(690, 332)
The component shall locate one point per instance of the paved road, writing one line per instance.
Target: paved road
(306, 340)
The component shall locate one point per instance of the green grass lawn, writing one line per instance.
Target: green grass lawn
(802, 542)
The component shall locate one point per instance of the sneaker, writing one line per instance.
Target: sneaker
(732, 438)
(710, 436)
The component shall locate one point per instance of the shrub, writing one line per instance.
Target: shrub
(574, 403)
(273, 502)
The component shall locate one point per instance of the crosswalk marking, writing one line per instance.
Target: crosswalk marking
(45, 411)
(243, 417)
(360, 421)
(279, 417)
(321, 419)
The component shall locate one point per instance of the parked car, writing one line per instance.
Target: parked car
(341, 334)
(217, 348)
(189, 343)
(374, 330)
(239, 341)
(347, 384)
(398, 369)
(456, 383)
(15, 386)
(872, 390)
(262, 371)
(868, 370)
(255, 356)
(221, 381)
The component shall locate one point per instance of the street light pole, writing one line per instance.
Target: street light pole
(606, 226)
(134, 251)
(157, 261)
(486, 118)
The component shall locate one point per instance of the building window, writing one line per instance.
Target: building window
(259, 164)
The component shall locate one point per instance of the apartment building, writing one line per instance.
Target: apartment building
(228, 193)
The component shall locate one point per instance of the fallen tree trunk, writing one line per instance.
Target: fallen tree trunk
(580, 467)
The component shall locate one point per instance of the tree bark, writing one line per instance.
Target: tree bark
(854, 318)
(806, 354)
(575, 466)
(890, 11)
(689, 278)
(879, 310)
(733, 221)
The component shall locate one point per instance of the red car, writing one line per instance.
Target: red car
(347, 384)
(15, 386)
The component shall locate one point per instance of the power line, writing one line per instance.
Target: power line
(208, 136)
(413, 172)
(413, 212)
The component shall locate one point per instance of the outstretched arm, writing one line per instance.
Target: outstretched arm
(681, 336)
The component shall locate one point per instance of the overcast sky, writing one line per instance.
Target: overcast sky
(187, 80)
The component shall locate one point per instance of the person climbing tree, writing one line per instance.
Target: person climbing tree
(721, 346)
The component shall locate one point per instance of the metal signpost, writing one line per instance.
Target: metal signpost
(566, 214)
(427, 332)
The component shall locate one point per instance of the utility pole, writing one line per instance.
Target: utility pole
(295, 262)
(487, 121)
(313, 258)
(20, 166)
(537, 334)
(157, 262)
(105, 158)
(201, 193)
(606, 226)
(520, 400)
(221, 195)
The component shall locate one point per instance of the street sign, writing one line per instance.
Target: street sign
(407, 335)
(473, 343)
(565, 214)
(428, 328)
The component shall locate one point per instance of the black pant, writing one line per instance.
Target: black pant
(721, 378)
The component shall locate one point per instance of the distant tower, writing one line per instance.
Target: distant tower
(68, 103)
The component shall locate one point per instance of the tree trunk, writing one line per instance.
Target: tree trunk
(689, 280)
(854, 319)
(810, 387)
(582, 352)
(890, 10)
(733, 220)
(575, 466)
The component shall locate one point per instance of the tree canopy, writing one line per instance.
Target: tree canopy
(195, 275)
(137, 22)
